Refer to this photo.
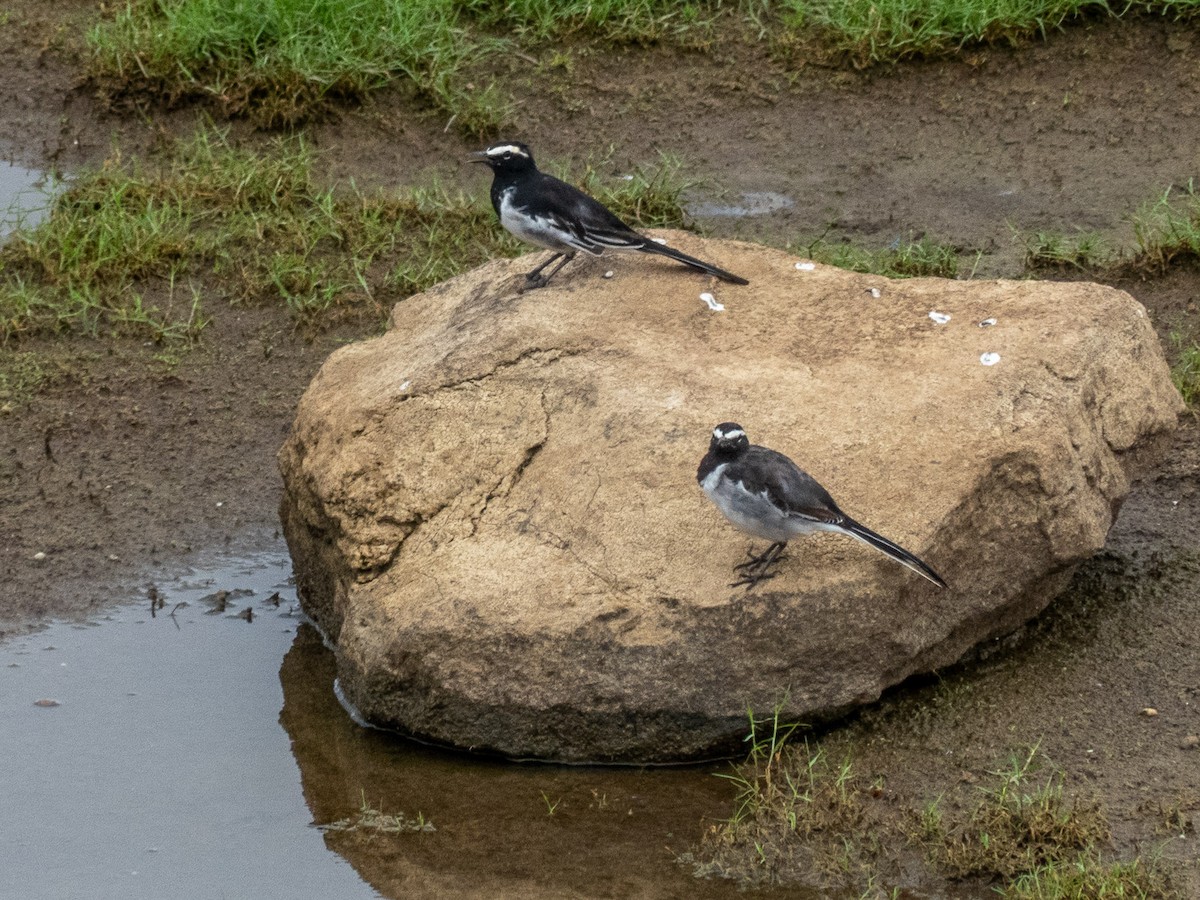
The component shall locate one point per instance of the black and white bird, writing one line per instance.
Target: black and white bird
(544, 211)
(767, 495)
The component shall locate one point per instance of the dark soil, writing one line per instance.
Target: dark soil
(123, 463)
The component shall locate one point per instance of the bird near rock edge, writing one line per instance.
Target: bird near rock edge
(765, 494)
(547, 212)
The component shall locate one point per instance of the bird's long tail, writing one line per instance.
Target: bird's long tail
(663, 250)
(895, 551)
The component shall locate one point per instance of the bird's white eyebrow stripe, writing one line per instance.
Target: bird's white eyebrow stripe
(501, 149)
(735, 433)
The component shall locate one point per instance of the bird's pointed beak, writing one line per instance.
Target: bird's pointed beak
(478, 156)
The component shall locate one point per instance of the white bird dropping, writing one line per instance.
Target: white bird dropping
(805, 266)
(712, 302)
(939, 318)
(990, 359)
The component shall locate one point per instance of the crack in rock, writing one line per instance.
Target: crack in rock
(514, 477)
(541, 355)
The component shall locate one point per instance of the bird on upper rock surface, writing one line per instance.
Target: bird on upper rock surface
(764, 493)
(542, 210)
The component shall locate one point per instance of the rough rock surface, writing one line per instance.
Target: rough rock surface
(493, 511)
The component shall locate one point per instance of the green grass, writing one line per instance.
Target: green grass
(909, 259)
(756, 778)
(1084, 250)
(867, 32)
(551, 805)
(146, 247)
(1087, 878)
(1022, 824)
(1166, 232)
(1167, 228)
(801, 818)
(872, 31)
(797, 814)
(640, 22)
(1035, 843)
(651, 196)
(21, 377)
(280, 62)
(1185, 373)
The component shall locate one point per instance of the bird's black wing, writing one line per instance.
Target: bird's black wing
(592, 226)
(789, 488)
(586, 224)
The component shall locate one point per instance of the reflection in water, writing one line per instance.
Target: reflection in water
(163, 773)
(24, 197)
(501, 829)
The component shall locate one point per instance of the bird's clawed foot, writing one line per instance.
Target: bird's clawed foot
(533, 281)
(757, 568)
(536, 279)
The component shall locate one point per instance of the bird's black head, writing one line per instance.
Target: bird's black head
(728, 439)
(505, 157)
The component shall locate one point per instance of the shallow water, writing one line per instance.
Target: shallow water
(190, 755)
(24, 197)
(751, 203)
(164, 770)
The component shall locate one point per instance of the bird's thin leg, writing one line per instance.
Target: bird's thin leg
(533, 276)
(545, 279)
(536, 279)
(758, 567)
(567, 257)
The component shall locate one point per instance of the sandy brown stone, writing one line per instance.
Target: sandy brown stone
(493, 511)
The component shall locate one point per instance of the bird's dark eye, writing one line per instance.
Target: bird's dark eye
(507, 155)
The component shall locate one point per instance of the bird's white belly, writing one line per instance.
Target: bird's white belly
(753, 513)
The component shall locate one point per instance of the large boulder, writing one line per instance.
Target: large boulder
(493, 510)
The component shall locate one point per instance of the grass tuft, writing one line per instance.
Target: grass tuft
(1167, 228)
(1185, 373)
(1022, 826)
(796, 811)
(1085, 250)
(278, 62)
(911, 259)
(874, 31)
(1087, 878)
(800, 818)
(22, 375)
(1027, 836)
(371, 819)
